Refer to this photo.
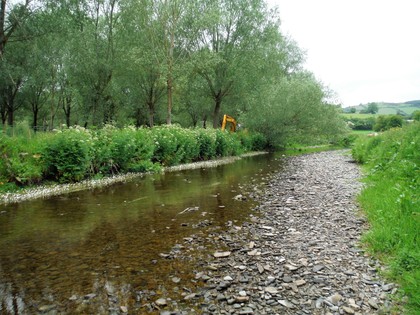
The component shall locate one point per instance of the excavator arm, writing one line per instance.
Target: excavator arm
(226, 119)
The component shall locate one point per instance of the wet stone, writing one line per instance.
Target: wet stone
(297, 253)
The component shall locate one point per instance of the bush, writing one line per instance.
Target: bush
(70, 155)
(387, 122)
(206, 144)
(259, 142)
(20, 161)
(356, 123)
(67, 155)
(118, 150)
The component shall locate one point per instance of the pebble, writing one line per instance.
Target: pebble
(161, 302)
(299, 250)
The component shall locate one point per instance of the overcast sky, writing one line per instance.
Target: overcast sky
(364, 50)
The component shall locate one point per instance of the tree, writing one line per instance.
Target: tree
(9, 23)
(372, 108)
(230, 31)
(294, 111)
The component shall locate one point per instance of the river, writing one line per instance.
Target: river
(108, 250)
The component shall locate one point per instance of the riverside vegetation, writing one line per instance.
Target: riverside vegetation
(392, 203)
(73, 154)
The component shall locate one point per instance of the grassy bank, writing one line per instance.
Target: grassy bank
(391, 201)
(73, 154)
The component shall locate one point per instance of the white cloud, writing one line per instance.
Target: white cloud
(365, 50)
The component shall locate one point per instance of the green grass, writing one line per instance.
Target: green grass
(361, 132)
(391, 201)
(357, 115)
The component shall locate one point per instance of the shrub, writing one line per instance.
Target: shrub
(116, 150)
(67, 155)
(167, 150)
(206, 143)
(20, 161)
(357, 123)
(387, 122)
(259, 142)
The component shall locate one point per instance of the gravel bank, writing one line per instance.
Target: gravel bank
(299, 253)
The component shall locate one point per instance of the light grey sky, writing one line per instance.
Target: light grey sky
(364, 50)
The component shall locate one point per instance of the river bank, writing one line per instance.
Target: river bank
(45, 191)
(299, 253)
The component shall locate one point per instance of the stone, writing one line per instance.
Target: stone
(176, 280)
(221, 254)
(286, 303)
(348, 310)
(317, 268)
(242, 299)
(271, 290)
(334, 299)
(373, 303)
(161, 302)
(189, 296)
(291, 267)
(89, 296)
(300, 282)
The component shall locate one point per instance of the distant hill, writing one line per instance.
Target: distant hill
(406, 108)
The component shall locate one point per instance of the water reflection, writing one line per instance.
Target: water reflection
(98, 251)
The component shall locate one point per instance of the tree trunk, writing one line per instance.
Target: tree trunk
(2, 22)
(216, 113)
(35, 111)
(67, 109)
(10, 115)
(151, 114)
(169, 115)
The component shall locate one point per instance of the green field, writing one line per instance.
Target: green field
(388, 108)
(356, 115)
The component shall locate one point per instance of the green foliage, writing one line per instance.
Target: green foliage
(372, 108)
(227, 144)
(174, 145)
(119, 150)
(206, 143)
(20, 160)
(416, 115)
(70, 155)
(252, 141)
(295, 111)
(361, 123)
(387, 122)
(392, 202)
(67, 155)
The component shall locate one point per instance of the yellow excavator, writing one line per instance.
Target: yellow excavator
(226, 119)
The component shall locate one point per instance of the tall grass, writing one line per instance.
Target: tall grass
(391, 201)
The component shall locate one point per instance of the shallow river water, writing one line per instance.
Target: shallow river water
(97, 251)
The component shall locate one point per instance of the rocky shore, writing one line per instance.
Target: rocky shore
(299, 253)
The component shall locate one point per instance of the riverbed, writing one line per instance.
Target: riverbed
(112, 248)
(263, 235)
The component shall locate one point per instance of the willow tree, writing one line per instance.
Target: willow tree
(229, 32)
